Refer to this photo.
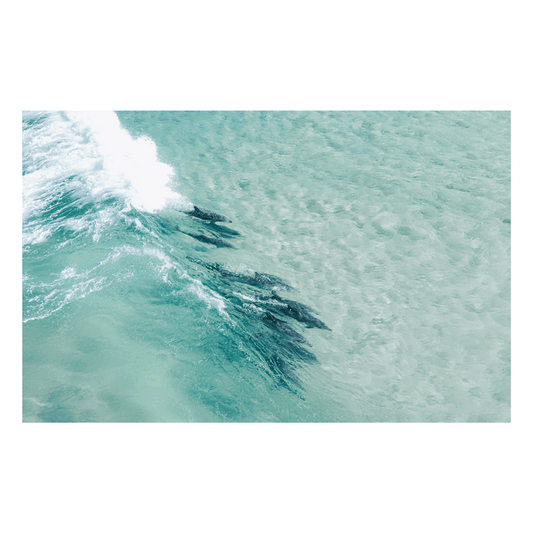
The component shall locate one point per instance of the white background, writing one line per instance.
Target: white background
(14, 100)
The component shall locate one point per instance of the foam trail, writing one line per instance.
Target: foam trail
(72, 163)
(128, 164)
(99, 157)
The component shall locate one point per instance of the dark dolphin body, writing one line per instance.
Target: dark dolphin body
(212, 227)
(267, 281)
(279, 346)
(282, 327)
(261, 281)
(296, 310)
(207, 215)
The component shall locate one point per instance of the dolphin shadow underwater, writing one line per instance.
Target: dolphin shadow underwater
(219, 243)
(254, 295)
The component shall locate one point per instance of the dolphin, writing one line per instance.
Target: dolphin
(267, 281)
(296, 310)
(222, 229)
(279, 325)
(207, 215)
(219, 243)
(263, 281)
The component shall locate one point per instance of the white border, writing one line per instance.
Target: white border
(13, 101)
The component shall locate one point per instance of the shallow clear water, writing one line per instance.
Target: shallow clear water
(391, 228)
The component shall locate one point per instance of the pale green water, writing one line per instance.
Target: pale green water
(393, 227)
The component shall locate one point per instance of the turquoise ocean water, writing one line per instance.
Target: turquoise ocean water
(364, 276)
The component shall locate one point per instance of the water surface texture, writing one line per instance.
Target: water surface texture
(358, 269)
